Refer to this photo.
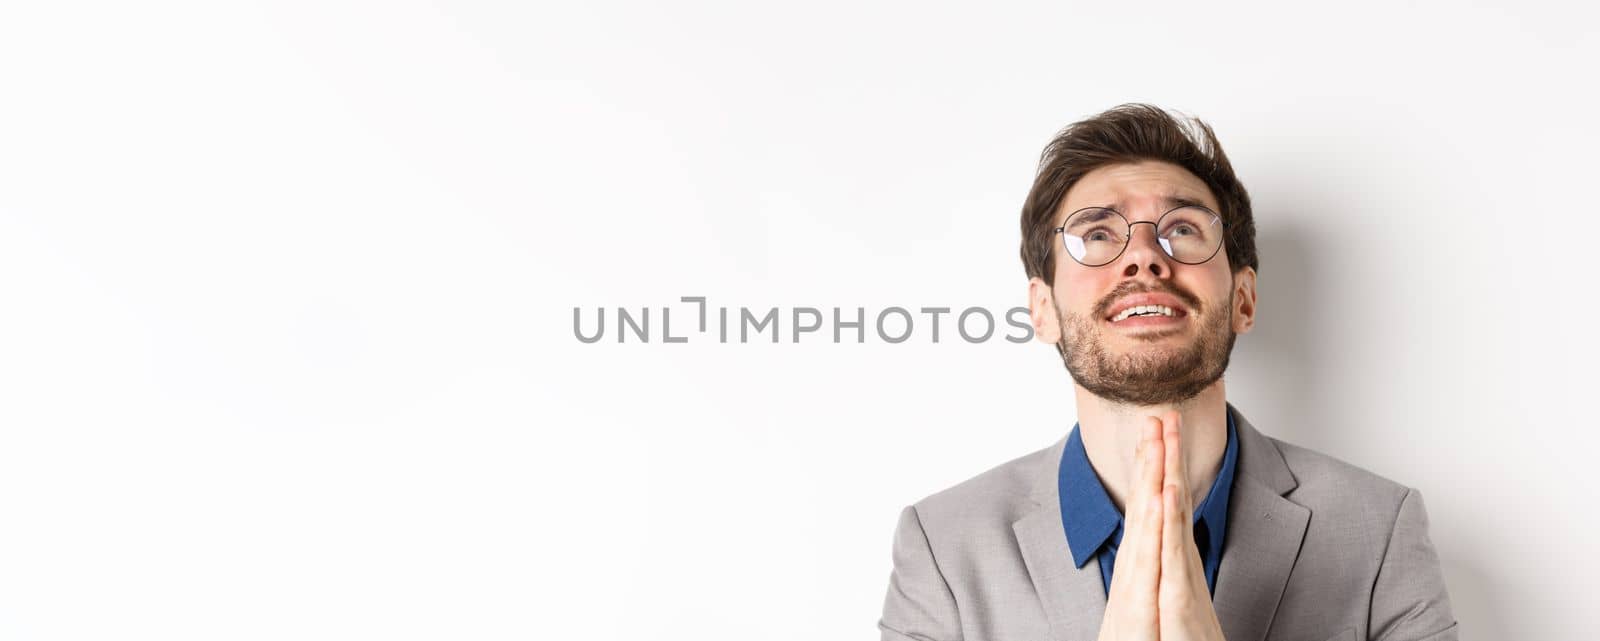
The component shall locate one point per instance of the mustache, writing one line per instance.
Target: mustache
(1129, 288)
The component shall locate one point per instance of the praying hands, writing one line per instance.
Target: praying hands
(1158, 588)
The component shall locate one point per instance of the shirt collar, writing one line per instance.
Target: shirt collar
(1090, 518)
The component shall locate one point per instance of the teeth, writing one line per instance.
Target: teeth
(1144, 309)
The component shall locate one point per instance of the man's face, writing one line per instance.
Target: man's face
(1142, 360)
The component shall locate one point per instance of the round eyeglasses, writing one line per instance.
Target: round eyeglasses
(1096, 236)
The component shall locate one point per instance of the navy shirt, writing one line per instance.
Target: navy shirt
(1094, 526)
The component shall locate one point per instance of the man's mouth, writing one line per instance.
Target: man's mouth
(1148, 316)
(1150, 309)
(1144, 311)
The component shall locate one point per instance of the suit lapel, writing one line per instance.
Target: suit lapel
(1073, 598)
(1263, 539)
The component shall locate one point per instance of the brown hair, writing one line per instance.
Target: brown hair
(1130, 133)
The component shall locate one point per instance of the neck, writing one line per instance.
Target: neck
(1110, 432)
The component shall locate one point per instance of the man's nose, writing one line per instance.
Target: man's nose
(1145, 251)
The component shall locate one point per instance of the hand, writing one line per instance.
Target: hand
(1184, 601)
(1131, 602)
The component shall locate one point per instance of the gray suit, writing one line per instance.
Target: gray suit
(1316, 550)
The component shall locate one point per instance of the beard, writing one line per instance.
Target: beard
(1149, 376)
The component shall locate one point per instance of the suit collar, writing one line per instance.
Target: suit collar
(1263, 539)
(1088, 515)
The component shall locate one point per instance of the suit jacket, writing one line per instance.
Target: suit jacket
(1316, 550)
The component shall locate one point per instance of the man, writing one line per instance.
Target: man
(1163, 514)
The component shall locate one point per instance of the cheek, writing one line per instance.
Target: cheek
(1214, 293)
(1078, 292)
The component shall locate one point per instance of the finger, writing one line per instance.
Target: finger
(1152, 473)
(1147, 535)
(1177, 471)
(1183, 461)
(1147, 487)
(1141, 456)
(1181, 527)
(1122, 580)
(1174, 565)
(1146, 475)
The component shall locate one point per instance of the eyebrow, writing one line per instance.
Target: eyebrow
(1172, 201)
(1092, 217)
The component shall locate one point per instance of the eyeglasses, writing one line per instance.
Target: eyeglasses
(1096, 236)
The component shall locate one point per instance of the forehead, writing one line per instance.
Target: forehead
(1132, 188)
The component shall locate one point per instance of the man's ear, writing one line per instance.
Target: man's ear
(1244, 300)
(1042, 311)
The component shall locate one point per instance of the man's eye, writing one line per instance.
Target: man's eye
(1098, 234)
(1182, 230)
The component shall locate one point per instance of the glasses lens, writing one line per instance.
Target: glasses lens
(1190, 234)
(1095, 236)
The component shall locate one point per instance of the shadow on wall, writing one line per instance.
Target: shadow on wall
(1275, 365)
(1276, 374)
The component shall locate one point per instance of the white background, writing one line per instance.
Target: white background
(286, 295)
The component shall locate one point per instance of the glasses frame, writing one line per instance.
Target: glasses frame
(1128, 240)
